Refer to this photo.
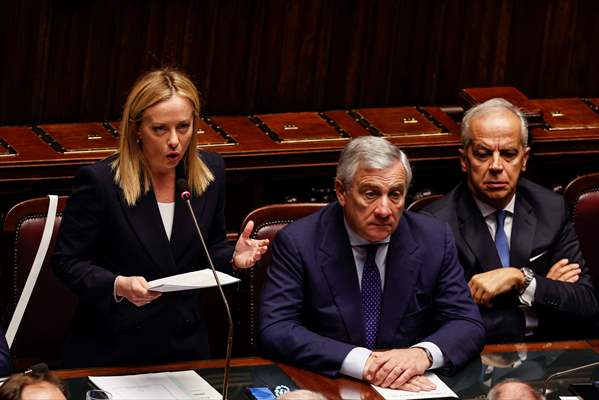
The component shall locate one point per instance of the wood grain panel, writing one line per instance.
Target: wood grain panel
(69, 61)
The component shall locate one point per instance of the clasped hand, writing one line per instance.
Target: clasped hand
(248, 251)
(399, 369)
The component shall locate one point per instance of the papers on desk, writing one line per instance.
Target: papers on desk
(441, 391)
(162, 385)
(190, 280)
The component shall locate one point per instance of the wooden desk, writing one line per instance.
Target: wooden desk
(531, 362)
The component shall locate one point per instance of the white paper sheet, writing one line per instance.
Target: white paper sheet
(162, 385)
(190, 280)
(442, 390)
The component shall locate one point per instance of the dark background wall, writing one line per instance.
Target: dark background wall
(71, 61)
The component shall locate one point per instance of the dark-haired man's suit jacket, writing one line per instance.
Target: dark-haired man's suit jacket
(310, 312)
(541, 231)
(4, 356)
(102, 237)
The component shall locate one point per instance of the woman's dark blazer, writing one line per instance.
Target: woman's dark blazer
(5, 367)
(101, 237)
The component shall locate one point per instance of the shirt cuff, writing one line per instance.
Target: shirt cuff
(436, 353)
(528, 295)
(354, 362)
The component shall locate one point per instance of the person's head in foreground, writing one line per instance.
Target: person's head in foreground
(301, 395)
(33, 386)
(512, 389)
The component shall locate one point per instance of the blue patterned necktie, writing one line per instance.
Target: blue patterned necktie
(501, 239)
(371, 296)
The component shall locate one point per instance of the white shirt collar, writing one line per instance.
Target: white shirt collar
(487, 210)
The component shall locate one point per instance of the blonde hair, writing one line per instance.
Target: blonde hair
(131, 167)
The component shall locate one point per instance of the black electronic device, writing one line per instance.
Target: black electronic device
(586, 391)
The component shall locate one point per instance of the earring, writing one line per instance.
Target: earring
(139, 140)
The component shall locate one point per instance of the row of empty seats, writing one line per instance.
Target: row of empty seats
(51, 307)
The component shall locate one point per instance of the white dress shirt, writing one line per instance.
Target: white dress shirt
(528, 296)
(167, 214)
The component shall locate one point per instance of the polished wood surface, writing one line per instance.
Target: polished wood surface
(275, 158)
(336, 388)
(75, 61)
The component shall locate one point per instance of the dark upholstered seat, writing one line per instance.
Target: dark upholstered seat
(582, 195)
(268, 221)
(420, 203)
(50, 309)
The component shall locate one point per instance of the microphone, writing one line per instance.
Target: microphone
(36, 369)
(39, 369)
(183, 189)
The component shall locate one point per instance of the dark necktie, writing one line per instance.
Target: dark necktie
(371, 296)
(501, 239)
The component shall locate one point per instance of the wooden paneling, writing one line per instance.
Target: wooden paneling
(74, 61)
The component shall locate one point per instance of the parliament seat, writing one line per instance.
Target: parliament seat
(423, 201)
(51, 307)
(268, 221)
(582, 195)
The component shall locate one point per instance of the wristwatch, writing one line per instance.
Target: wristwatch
(528, 276)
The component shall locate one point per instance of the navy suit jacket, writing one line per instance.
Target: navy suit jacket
(101, 237)
(310, 313)
(541, 227)
(5, 365)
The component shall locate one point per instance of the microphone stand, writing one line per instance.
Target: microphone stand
(185, 196)
(558, 374)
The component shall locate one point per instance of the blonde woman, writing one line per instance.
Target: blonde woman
(125, 225)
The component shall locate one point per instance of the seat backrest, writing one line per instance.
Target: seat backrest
(268, 221)
(422, 202)
(51, 306)
(582, 195)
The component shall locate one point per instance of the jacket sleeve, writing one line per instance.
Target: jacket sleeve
(461, 333)
(80, 229)
(5, 365)
(283, 336)
(572, 298)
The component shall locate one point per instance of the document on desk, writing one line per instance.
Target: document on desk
(190, 280)
(442, 391)
(162, 385)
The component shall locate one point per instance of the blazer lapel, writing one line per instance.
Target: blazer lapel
(146, 222)
(184, 232)
(339, 269)
(401, 272)
(476, 233)
(523, 231)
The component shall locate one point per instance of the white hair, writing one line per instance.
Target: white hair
(370, 152)
(486, 107)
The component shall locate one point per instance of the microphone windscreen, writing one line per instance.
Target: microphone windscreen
(183, 189)
(41, 368)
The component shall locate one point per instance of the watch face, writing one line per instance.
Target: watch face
(528, 272)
